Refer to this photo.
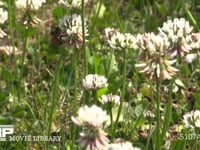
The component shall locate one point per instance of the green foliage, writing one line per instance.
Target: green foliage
(41, 88)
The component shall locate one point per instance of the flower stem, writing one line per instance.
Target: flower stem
(10, 12)
(116, 14)
(158, 85)
(83, 34)
(55, 93)
(167, 117)
(22, 64)
(123, 93)
(75, 100)
(111, 121)
(85, 64)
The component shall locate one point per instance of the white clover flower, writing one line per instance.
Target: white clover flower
(2, 33)
(194, 40)
(93, 139)
(3, 15)
(177, 30)
(191, 119)
(152, 43)
(121, 146)
(73, 3)
(92, 116)
(71, 27)
(9, 50)
(94, 82)
(33, 4)
(153, 61)
(109, 32)
(110, 98)
(189, 58)
(149, 114)
(121, 41)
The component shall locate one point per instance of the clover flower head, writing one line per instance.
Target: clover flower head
(32, 4)
(191, 119)
(94, 82)
(109, 32)
(121, 41)
(3, 16)
(73, 3)
(177, 31)
(110, 98)
(71, 27)
(121, 146)
(153, 60)
(92, 117)
(93, 139)
(152, 43)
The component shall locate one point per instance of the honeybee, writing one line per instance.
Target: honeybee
(56, 34)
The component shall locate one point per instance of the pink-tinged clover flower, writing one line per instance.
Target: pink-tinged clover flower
(93, 139)
(91, 119)
(153, 60)
(92, 116)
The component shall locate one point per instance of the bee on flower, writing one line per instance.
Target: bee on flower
(73, 3)
(71, 27)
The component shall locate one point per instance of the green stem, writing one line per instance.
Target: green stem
(158, 85)
(55, 94)
(116, 15)
(123, 93)
(83, 46)
(85, 72)
(10, 12)
(94, 95)
(196, 139)
(111, 121)
(167, 117)
(22, 65)
(75, 100)
(149, 133)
